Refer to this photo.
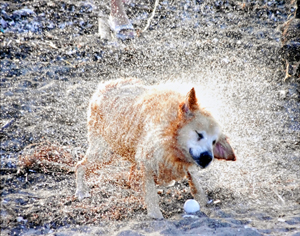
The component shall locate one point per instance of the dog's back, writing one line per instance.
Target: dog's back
(122, 111)
(110, 105)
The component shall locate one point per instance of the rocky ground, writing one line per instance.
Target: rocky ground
(52, 60)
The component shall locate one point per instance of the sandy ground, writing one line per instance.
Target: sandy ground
(51, 62)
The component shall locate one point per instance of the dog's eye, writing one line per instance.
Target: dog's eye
(214, 142)
(200, 136)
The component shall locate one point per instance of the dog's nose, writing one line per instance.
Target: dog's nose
(204, 159)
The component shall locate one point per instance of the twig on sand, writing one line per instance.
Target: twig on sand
(151, 17)
(279, 196)
(7, 124)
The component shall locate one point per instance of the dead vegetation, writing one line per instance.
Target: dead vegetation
(46, 156)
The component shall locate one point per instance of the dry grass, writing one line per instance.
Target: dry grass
(46, 156)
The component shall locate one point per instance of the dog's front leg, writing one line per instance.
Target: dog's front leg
(196, 190)
(151, 197)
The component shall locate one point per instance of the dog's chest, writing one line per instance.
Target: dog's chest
(171, 171)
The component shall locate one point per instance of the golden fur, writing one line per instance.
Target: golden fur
(164, 132)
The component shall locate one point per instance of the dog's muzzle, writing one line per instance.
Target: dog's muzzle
(204, 159)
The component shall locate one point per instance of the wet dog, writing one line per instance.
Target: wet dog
(165, 133)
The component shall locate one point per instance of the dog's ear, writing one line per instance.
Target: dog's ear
(190, 104)
(223, 150)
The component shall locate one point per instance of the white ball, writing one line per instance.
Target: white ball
(191, 206)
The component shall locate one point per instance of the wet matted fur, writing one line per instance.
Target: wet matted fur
(160, 131)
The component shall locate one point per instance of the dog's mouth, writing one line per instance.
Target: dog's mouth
(203, 160)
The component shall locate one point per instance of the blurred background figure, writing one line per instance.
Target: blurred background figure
(290, 40)
(118, 22)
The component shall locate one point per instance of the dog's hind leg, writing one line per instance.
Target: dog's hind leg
(82, 190)
(93, 153)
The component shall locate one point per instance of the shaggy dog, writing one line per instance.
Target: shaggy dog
(163, 132)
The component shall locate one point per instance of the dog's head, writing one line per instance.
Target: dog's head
(200, 137)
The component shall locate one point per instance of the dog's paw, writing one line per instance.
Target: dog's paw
(80, 195)
(155, 215)
(206, 211)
